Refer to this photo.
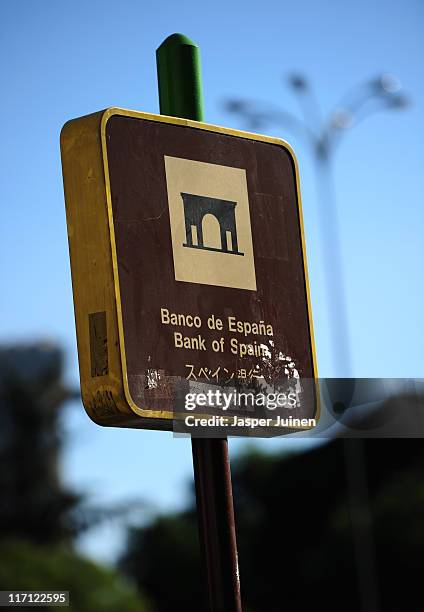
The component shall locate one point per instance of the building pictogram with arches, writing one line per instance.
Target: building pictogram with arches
(196, 209)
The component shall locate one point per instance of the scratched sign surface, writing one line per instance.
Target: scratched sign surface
(207, 263)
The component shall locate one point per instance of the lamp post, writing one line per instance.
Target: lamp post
(323, 135)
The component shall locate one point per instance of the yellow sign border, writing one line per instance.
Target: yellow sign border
(110, 112)
(94, 264)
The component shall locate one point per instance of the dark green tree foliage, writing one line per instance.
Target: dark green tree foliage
(33, 502)
(294, 534)
(38, 516)
(164, 560)
(93, 588)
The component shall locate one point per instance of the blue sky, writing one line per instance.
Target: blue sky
(61, 60)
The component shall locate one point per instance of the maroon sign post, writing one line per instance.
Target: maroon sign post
(180, 93)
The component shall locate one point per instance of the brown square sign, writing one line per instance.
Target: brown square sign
(188, 263)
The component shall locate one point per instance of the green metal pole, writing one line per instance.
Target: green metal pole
(180, 78)
(180, 95)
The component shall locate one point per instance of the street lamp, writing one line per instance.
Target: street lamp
(323, 135)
